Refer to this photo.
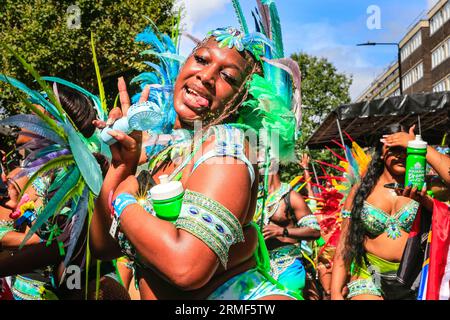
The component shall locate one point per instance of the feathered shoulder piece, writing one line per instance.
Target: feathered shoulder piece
(164, 74)
(62, 149)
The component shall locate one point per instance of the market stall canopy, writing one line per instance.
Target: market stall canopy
(364, 120)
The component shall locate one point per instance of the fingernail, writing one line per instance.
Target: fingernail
(409, 184)
(424, 186)
(109, 122)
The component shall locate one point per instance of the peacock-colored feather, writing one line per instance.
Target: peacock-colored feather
(60, 178)
(79, 214)
(146, 77)
(86, 162)
(55, 204)
(40, 153)
(48, 120)
(164, 76)
(101, 89)
(167, 55)
(62, 161)
(35, 96)
(34, 124)
(40, 81)
(265, 18)
(240, 16)
(90, 211)
(46, 158)
(277, 36)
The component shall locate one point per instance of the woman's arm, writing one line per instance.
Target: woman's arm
(304, 164)
(438, 161)
(102, 245)
(125, 157)
(180, 257)
(29, 258)
(340, 266)
(12, 240)
(301, 210)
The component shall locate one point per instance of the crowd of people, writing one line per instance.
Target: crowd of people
(70, 200)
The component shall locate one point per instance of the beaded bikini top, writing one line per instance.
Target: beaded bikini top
(377, 221)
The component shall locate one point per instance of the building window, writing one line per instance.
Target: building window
(395, 93)
(411, 45)
(443, 85)
(440, 18)
(414, 75)
(440, 54)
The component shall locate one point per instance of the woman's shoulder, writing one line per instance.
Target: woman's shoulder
(224, 141)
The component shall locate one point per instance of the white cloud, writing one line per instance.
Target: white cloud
(200, 10)
(195, 12)
(322, 39)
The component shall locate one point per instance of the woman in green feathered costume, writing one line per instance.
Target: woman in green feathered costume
(212, 250)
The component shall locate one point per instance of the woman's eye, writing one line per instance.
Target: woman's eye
(200, 59)
(230, 79)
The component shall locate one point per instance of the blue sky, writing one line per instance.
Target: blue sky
(325, 28)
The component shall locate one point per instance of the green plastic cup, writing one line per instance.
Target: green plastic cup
(167, 198)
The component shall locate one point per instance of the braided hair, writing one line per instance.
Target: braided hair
(79, 108)
(354, 243)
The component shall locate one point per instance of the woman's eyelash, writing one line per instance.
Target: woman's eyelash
(229, 78)
(199, 59)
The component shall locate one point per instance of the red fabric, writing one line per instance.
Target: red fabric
(5, 291)
(415, 229)
(440, 240)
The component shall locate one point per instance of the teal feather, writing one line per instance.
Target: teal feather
(277, 37)
(86, 162)
(54, 204)
(240, 16)
(106, 151)
(159, 70)
(147, 77)
(44, 151)
(265, 19)
(168, 55)
(80, 214)
(34, 124)
(60, 178)
(35, 96)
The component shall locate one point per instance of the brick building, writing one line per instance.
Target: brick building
(424, 58)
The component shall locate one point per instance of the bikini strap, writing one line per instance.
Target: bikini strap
(229, 142)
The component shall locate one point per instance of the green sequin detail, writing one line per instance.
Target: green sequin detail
(211, 222)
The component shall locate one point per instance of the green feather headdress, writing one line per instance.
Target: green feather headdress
(273, 106)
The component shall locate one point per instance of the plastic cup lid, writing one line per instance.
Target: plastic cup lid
(166, 189)
(418, 143)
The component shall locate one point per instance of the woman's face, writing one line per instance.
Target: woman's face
(395, 160)
(11, 200)
(208, 80)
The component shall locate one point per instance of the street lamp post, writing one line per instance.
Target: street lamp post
(368, 43)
